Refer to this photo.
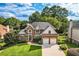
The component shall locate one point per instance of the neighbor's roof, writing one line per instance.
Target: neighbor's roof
(42, 25)
(3, 30)
(75, 24)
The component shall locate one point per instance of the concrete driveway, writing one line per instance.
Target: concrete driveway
(52, 50)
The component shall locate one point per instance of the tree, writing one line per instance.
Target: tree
(23, 24)
(9, 38)
(2, 20)
(45, 11)
(12, 22)
(35, 17)
(55, 11)
(58, 11)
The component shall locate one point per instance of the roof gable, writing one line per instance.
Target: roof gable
(46, 31)
(3, 30)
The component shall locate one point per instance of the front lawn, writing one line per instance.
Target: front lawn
(2, 44)
(62, 40)
(22, 50)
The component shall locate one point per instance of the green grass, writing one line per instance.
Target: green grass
(69, 45)
(22, 50)
(2, 44)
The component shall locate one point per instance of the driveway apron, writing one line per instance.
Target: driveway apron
(52, 50)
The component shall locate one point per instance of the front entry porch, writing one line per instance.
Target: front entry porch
(30, 37)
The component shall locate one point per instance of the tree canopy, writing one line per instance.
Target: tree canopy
(35, 17)
(14, 23)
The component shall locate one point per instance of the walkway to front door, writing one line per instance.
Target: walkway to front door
(52, 50)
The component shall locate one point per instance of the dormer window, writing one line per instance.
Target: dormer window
(29, 31)
(49, 32)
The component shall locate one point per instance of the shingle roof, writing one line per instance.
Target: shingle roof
(42, 25)
(22, 32)
(3, 30)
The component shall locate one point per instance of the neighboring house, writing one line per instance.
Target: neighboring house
(44, 29)
(3, 30)
(73, 32)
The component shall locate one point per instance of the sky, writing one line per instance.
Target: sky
(23, 10)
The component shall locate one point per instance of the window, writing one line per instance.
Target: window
(37, 32)
(49, 32)
(29, 31)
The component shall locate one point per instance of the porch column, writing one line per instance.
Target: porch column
(31, 38)
(28, 37)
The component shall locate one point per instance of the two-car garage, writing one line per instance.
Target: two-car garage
(49, 40)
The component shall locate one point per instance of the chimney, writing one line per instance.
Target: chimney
(71, 23)
(70, 29)
(7, 28)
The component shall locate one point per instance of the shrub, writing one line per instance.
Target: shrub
(1, 40)
(37, 39)
(73, 52)
(11, 38)
(1, 47)
(63, 46)
(61, 41)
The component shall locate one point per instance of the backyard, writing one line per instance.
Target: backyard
(62, 41)
(22, 50)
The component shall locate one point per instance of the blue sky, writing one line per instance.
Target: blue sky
(23, 10)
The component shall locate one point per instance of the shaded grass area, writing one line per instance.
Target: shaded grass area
(63, 40)
(22, 50)
(2, 44)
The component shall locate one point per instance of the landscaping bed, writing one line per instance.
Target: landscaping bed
(73, 52)
(22, 50)
(65, 45)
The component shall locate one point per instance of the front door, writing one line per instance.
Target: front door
(30, 37)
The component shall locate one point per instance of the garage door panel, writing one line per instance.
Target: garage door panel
(52, 40)
(45, 41)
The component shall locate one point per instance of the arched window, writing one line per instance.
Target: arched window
(49, 32)
(30, 31)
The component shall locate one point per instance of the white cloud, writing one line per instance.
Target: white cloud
(7, 14)
(25, 9)
(73, 18)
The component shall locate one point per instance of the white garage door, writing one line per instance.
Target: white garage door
(46, 40)
(52, 40)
